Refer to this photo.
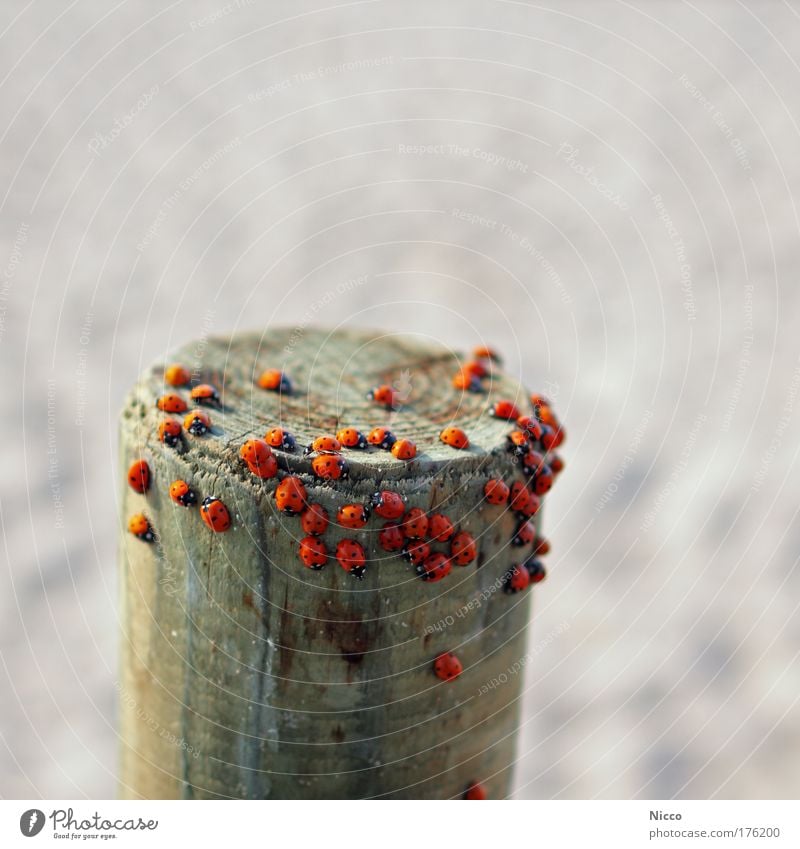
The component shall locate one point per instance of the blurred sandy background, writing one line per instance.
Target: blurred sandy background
(604, 190)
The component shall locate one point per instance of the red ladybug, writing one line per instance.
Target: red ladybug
(177, 375)
(496, 491)
(351, 557)
(140, 528)
(447, 666)
(435, 567)
(543, 480)
(391, 537)
(404, 449)
(313, 552)
(536, 571)
(215, 514)
(388, 504)
(181, 493)
(280, 438)
(171, 403)
(416, 552)
(531, 506)
(541, 546)
(274, 380)
(525, 534)
(552, 437)
(531, 426)
(384, 395)
(324, 445)
(415, 523)
(476, 792)
(532, 461)
(545, 414)
(255, 451)
(352, 438)
(139, 476)
(518, 443)
(454, 437)
(440, 528)
(169, 432)
(538, 401)
(476, 368)
(290, 496)
(266, 469)
(463, 548)
(197, 423)
(467, 382)
(329, 467)
(382, 437)
(504, 410)
(352, 516)
(205, 393)
(484, 352)
(314, 520)
(556, 464)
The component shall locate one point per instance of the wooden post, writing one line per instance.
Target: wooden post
(247, 675)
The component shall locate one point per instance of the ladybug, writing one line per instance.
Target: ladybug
(545, 414)
(518, 443)
(516, 580)
(290, 496)
(415, 523)
(280, 438)
(404, 449)
(382, 437)
(531, 506)
(255, 451)
(483, 352)
(352, 516)
(169, 432)
(531, 426)
(467, 382)
(447, 666)
(434, 567)
(139, 476)
(391, 537)
(352, 438)
(552, 438)
(171, 404)
(274, 380)
(215, 514)
(496, 491)
(416, 552)
(463, 548)
(504, 410)
(476, 791)
(204, 393)
(314, 520)
(543, 480)
(197, 422)
(538, 401)
(141, 528)
(536, 570)
(259, 458)
(384, 395)
(520, 497)
(351, 557)
(181, 493)
(532, 462)
(329, 467)
(556, 464)
(388, 504)
(525, 534)
(440, 528)
(541, 546)
(324, 445)
(177, 375)
(475, 368)
(313, 553)
(454, 437)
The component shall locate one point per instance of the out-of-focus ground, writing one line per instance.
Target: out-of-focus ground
(605, 191)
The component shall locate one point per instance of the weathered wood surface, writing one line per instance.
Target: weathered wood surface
(247, 675)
